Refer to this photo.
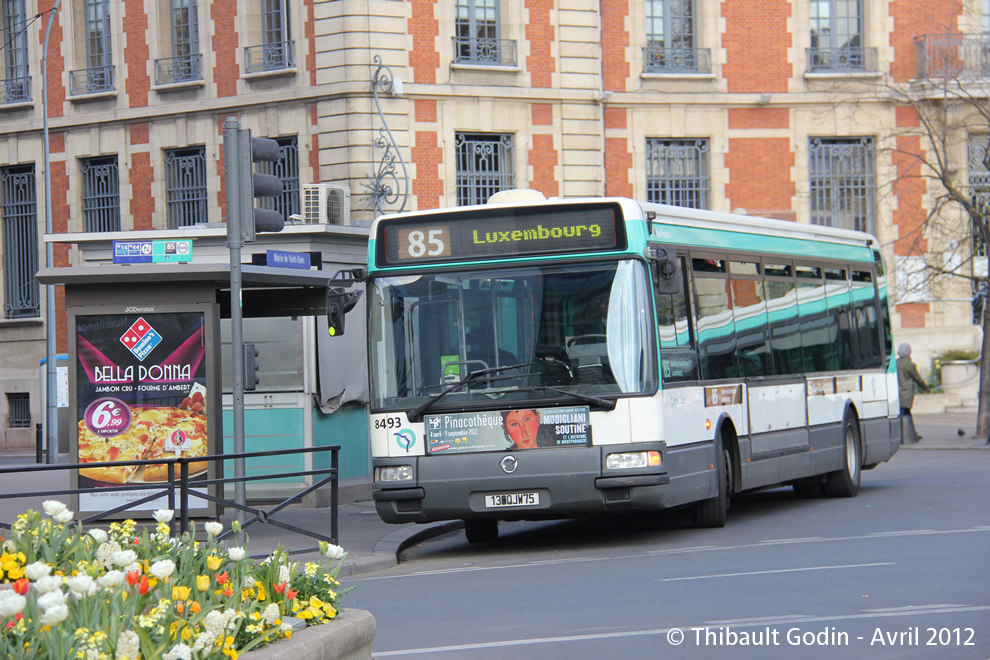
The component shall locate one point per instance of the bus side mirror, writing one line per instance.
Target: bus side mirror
(340, 301)
(664, 262)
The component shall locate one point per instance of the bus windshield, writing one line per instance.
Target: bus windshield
(580, 328)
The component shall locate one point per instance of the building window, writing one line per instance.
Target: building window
(670, 39)
(476, 34)
(185, 187)
(677, 172)
(19, 410)
(837, 37)
(101, 194)
(19, 215)
(184, 65)
(276, 49)
(285, 168)
(843, 187)
(17, 82)
(98, 75)
(484, 166)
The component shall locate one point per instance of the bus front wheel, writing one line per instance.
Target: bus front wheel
(845, 481)
(481, 530)
(711, 512)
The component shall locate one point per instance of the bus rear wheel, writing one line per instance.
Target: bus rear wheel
(481, 530)
(711, 512)
(845, 482)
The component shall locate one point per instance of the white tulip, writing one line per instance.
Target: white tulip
(237, 554)
(111, 579)
(11, 603)
(80, 584)
(37, 570)
(48, 583)
(63, 517)
(164, 515)
(123, 557)
(55, 615)
(333, 551)
(162, 569)
(53, 507)
(213, 528)
(51, 599)
(98, 535)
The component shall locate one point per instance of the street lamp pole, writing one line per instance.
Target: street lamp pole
(51, 371)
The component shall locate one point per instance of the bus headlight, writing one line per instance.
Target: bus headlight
(633, 459)
(394, 473)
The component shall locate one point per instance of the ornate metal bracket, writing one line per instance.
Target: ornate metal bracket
(383, 186)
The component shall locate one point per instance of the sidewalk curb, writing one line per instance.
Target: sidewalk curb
(348, 637)
(386, 553)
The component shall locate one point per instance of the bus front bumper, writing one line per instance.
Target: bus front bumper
(563, 482)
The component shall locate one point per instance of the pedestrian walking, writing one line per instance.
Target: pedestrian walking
(907, 376)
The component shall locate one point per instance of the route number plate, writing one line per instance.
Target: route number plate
(512, 499)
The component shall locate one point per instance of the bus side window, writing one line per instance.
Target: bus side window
(678, 361)
(867, 331)
(716, 327)
(672, 317)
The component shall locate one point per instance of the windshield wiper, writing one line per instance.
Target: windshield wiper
(473, 377)
(607, 404)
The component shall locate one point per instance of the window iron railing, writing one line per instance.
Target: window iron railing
(660, 59)
(19, 416)
(485, 51)
(174, 70)
(269, 57)
(17, 90)
(91, 81)
(952, 56)
(846, 58)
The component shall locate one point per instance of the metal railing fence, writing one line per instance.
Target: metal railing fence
(178, 489)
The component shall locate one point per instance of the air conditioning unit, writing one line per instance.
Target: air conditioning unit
(326, 204)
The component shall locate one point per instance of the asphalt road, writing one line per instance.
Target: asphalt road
(901, 571)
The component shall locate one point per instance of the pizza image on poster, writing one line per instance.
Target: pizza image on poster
(141, 395)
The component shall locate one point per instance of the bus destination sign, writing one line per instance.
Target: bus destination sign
(482, 235)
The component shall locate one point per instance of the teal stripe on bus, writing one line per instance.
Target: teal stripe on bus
(716, 239)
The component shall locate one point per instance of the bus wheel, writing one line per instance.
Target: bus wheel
(481, 530)
(711, 513)
(845, 482)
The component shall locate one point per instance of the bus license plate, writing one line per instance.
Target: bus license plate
(512, 499)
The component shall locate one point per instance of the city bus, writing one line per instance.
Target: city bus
(537, 359)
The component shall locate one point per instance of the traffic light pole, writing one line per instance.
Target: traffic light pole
(235, 218)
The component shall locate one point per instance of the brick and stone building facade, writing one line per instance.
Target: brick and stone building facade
(776, 107)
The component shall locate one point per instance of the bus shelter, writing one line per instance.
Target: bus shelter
(150, 342)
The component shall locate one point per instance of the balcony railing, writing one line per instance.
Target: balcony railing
(91, 81)
(178, 69)
(659, 59)
(487, 52)
(953, 56)
(17, 90)
(838, 60)
(269, 57)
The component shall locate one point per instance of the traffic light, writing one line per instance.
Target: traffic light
(339, 302)
(251, 366)
(243, 184)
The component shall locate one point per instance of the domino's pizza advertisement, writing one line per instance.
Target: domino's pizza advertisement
(141, 393)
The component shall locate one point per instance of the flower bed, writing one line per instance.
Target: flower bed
(66, 592)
